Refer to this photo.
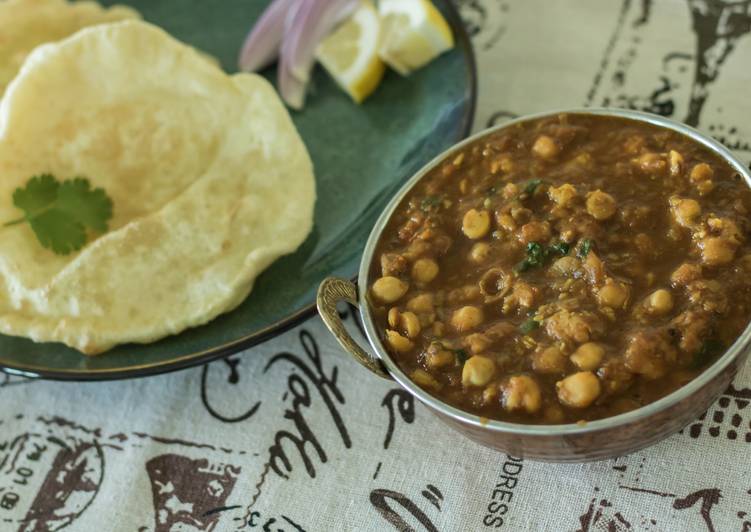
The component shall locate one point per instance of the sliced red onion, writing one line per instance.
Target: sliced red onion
(312, 21)
(261, 47)
(292, 89)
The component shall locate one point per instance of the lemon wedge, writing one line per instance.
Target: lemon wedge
(350, 53)
(413, 33)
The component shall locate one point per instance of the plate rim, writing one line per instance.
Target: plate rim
(299, 316)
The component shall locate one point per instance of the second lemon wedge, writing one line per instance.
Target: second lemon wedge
(350, 54)
(413, 33)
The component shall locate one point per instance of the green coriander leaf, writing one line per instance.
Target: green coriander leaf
(90, 207)
(529, 326)
(535, 254)
(561, 248)
(538, 255)
(461, 355)
(532, 185)
(38, 194)
(60, 213)
(535, 257)
(59, 232)
(584, 248)
(533, 248)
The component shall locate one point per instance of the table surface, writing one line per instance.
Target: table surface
(292, 435)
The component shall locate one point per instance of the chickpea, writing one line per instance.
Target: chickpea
(393, 317)
(716, 251)
(410, 323)
(701, 177)
(701, 172)
(649, 354)
(466, 318)
(425, 380)
(676, 162)
(421, 304)
(566, 266)
(416, 249)
(549, 360)
(478, 342)
(545, 147)
(705, 187)
(685, 211)
(522, 295)
(563, 195)
(579, 390)
(476, 224)
(510, 190)
(398, 343)
(506, 221)
(685, 273)
(571, 326)
(507, 164)
(489, 394)
(479, 252)
(535, 232)
(660, 301)
(588, 356)
(477, 371)
(439, 358)
(521, 214)
(495, 167)
(522, 392)
(389, 289)
(424, 270)
(595, 268)
(651, 162)
(600, 205)
(501, 330)
(726, 227)
(613, 294)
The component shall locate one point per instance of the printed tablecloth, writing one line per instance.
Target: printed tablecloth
(292, 435)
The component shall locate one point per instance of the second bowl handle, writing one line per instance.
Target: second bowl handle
(331, 291)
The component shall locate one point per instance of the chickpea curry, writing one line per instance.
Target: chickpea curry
(565, 269)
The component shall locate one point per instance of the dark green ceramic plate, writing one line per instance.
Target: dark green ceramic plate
(361, 155)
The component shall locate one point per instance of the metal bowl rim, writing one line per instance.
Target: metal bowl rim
(570, 429)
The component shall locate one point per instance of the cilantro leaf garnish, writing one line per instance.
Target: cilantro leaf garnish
(535, 257)
(584, 248)
(60, 213)
(538, 255)
(562, 248)
(528, 326)
(532, 185)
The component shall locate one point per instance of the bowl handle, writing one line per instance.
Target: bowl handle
(331, 291)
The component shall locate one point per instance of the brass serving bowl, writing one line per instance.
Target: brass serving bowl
(594, 440)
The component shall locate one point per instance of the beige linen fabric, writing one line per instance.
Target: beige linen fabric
(293, 435)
